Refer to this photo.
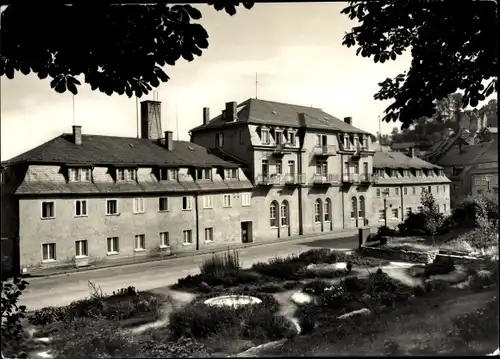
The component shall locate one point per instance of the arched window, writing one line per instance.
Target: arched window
(327, 210)
(317, 211)
(284, 213)
(354, 207)
(361, 207)
(273, 214)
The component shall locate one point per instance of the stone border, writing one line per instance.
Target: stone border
(405, 256)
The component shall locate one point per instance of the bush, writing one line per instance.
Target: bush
(307, 319)
(413, 225)
(353, 284)
(385, 231)
(181, 348)
(225, 279)
(315, 287)
(443, 266)
(464, 214)
(221, 264)
(481, 324)
(12, 313)
(282, 268)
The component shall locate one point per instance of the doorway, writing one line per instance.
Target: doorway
(246, 232)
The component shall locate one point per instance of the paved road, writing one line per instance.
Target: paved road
(62, 289)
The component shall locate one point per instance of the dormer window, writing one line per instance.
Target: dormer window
(265, 137)
(278, 137)
(79, 174)
(131, 174)
(365, 142)
(219, 139)
(231, 173)
(120, 174)
(126, 174)
(168, 174)
(291, 138)
(394, 173)
(356, 142)
(203, 174)
(347, 143)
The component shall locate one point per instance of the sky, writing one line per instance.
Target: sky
(295, 48)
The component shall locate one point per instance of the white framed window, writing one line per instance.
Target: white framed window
(203, 174)
(111, 207)
(321, 168)
(326, 210)
(79, 174)
(405, 191)
(284, 213)
(120, 174)
(414, 190)
(273, 214)
(317, 211)
(138, 205)
(131, 174)
(81, 249)
(378, 192)
(139, 242)
(231, 173)
(245, 199)
(381, 215)
(48, 210)
(113, 244)
(188, 237)
(227, 200)
(395, 213)
(265, 136)
(396, 191)
(164, 240)
(80, 208)
(48, 252)
(209, 234)
(163, 204)
(186, 203)
(73, 174)
(171, 174)
(278, 137)
(208, 201)
(291, 138)
(279, 167)
(354, 207)
(85, 174)
(318, 141)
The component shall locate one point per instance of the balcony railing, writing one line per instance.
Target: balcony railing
(365, 177)
(294, 179)
(326, 179)
(325, 150)
(269, 179)
(281, 149)
(357, 177)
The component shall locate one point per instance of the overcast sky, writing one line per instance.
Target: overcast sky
(295, 48)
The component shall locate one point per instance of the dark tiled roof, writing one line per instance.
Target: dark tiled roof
(393, 159)
(468, 156)
(255, 111)
(112, 150)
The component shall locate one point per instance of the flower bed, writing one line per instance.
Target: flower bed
(402, 255)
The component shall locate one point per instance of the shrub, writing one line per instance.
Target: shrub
(385, 231)
(221, 264)
(315, 287)
(48, 315)
(307, 319)
(464, 214)
(319, 255)
(271, 288)
(282, 268)
(480, 324)
(225, 279)
(413, 225)
(353, 284)
(12, 313)
(181, 348)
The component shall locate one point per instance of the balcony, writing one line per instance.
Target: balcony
(269, 179)
(326, 179)
(281, 150)
(355, 178)
(365, 177)
(294, 179)
(325, 150)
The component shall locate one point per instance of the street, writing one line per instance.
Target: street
(63, 289)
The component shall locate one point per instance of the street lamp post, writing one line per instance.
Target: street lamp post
(385, 194)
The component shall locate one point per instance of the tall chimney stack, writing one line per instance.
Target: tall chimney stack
(169, 140)
(206, 115)
(77, 135)
(151, 120)
(231, 111)
(348, 120)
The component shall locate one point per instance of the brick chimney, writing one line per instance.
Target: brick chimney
(151, 120)
(77, 135)
(348, 120)
(169, 140)
(206, 115)
(231, 111)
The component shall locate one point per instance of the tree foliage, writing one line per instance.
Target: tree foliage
(453, 46)
(12, 313)
(118, 48)
(433, 219)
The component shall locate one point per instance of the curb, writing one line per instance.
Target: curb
(148, 260)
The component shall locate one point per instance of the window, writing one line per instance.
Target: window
(387, 191)
(120, 174)
(139, 242)
(242, 142)
(111, 207)
(291, 138)
(186, 203)
(207, 201)
(327, 207)
(394, 213)
(245, 199)
(138, 205)
(347, 143)
(422, 189)
(284, 213)
(48, 252)
(73, 174)
(85, 174)
(356, 168)
(396, 191)
(429, 189)
(265, 137)
(231, 173)
(227, 200)
(444, 208)
(318, 140)
(405, 191)
(365, 142)
(279, 167)
(48, 210)
(163, 204)
(408, 211)
(278, 136)
(209, 234)
(414, 190)
(444, 188)
(346, 168)
(131, 174)
(79, 174)
(164, 240)
(81, 249)
(188, 237)
(361, 211)
(273, 215)
(168, 174)
(354, 209)
(378, 192)
(437, 189)
(113, 245)
(477, 180)
(321, 168)
(219, 139)
(203, 174)
(381, 215)
(317, 211)
(80, 208)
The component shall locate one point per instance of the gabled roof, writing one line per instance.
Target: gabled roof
(113, 150)
(393, 159)
(469, 154)
(262, 112)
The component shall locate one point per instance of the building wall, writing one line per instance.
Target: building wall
(309, 157)
(480, 184)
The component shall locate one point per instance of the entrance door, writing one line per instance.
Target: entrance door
(246, 232)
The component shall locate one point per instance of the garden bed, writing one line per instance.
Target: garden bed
(399, 255)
